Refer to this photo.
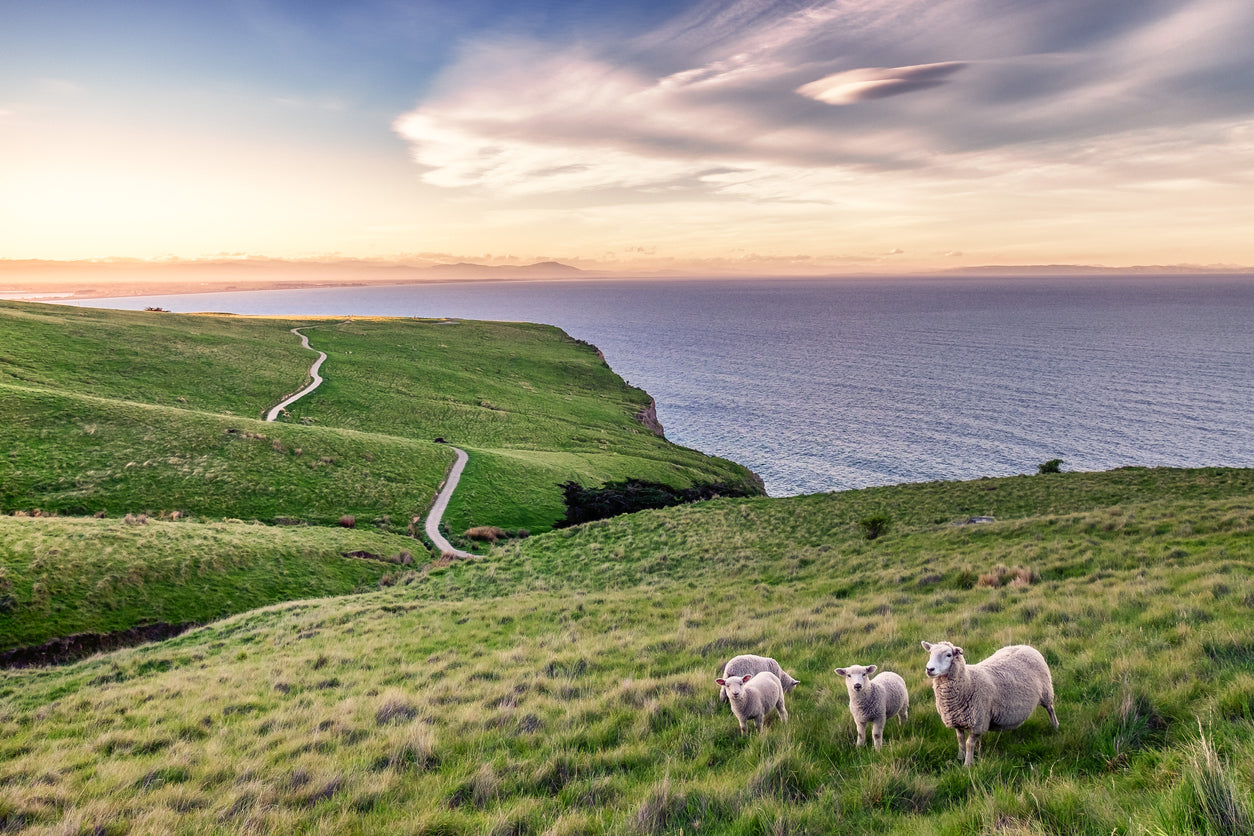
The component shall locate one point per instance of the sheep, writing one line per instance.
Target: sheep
(997, 694)
(875, 701)
(755, 697)
(748, 663)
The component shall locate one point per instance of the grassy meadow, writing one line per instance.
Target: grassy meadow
(158, 416)
(564, 684)
(150, 412)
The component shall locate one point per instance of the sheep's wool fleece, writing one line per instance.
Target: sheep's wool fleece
(997, 694)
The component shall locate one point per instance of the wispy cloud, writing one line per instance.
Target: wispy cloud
(764, 100)
(853, 86)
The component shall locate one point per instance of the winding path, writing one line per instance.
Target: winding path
(450, 483)
(441, 504)
(313, 372)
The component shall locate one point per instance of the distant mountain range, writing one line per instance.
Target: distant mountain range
(33, 278)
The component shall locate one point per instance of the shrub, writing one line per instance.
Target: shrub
(631, 495)
(485, 533)
(874, 525)
(1051, 466)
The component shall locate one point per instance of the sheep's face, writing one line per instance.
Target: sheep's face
(735, 686)
(856, 677)
(940, 658)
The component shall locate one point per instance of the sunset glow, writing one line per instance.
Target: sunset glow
(863, 135)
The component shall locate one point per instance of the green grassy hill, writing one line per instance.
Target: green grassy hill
(159, 415)
(564, 684)
(123, 412)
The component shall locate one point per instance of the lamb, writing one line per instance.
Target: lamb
(755, 697)
(748, 663)
(997, 694)
(874, 701)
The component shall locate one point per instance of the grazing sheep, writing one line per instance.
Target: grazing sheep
(874, 701)
(755, 697)
(997, 694)
(748, 663)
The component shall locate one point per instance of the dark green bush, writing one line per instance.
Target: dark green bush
(630, 495)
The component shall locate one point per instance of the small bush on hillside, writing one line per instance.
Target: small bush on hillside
(874, 525)
(1019, 576)
(485, 533)
(1051, 466)
(630, 495)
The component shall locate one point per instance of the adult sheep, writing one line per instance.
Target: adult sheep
(873, 701)
(754, 698)
(747, 663)
(997, 694)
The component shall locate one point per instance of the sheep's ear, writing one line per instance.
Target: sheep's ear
(748, 676)
(870, 669)
(957, 651)
(721, 681)
(926, 645)
(842, 671)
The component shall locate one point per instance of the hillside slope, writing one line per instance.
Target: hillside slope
(564, 684)
(123, 412)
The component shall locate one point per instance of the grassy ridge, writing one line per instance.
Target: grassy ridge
(63, 576)
(127, 411)
(565, 683)
(223, 364)
(534, 408)
(72, 454)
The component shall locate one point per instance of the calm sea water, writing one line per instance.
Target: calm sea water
(822, 385)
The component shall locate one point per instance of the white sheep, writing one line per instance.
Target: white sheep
(748, 663)
(755, 697)
(997, 694)
(875, 701)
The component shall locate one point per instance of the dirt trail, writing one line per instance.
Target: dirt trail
(313, 372)
(441, 505)
(442, 498)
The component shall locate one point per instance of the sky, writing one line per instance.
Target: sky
(724, 136)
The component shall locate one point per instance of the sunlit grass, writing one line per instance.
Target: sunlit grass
(128, 412)
(565, 684)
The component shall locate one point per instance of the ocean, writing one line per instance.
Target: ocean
(830, 384)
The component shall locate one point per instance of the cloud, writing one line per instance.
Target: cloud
(760, 100)
(853, 86)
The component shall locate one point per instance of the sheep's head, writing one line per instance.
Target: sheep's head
(735, 685)
(941, 658)
(857, 677)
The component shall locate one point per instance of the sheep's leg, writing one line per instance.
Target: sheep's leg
(972, 740)
(962, 743)
(877, 732)
(861, 732)
(783, 712)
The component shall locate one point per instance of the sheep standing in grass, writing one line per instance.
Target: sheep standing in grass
(748, 663)
(997, 694)
(755, 697)
(876, 700)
